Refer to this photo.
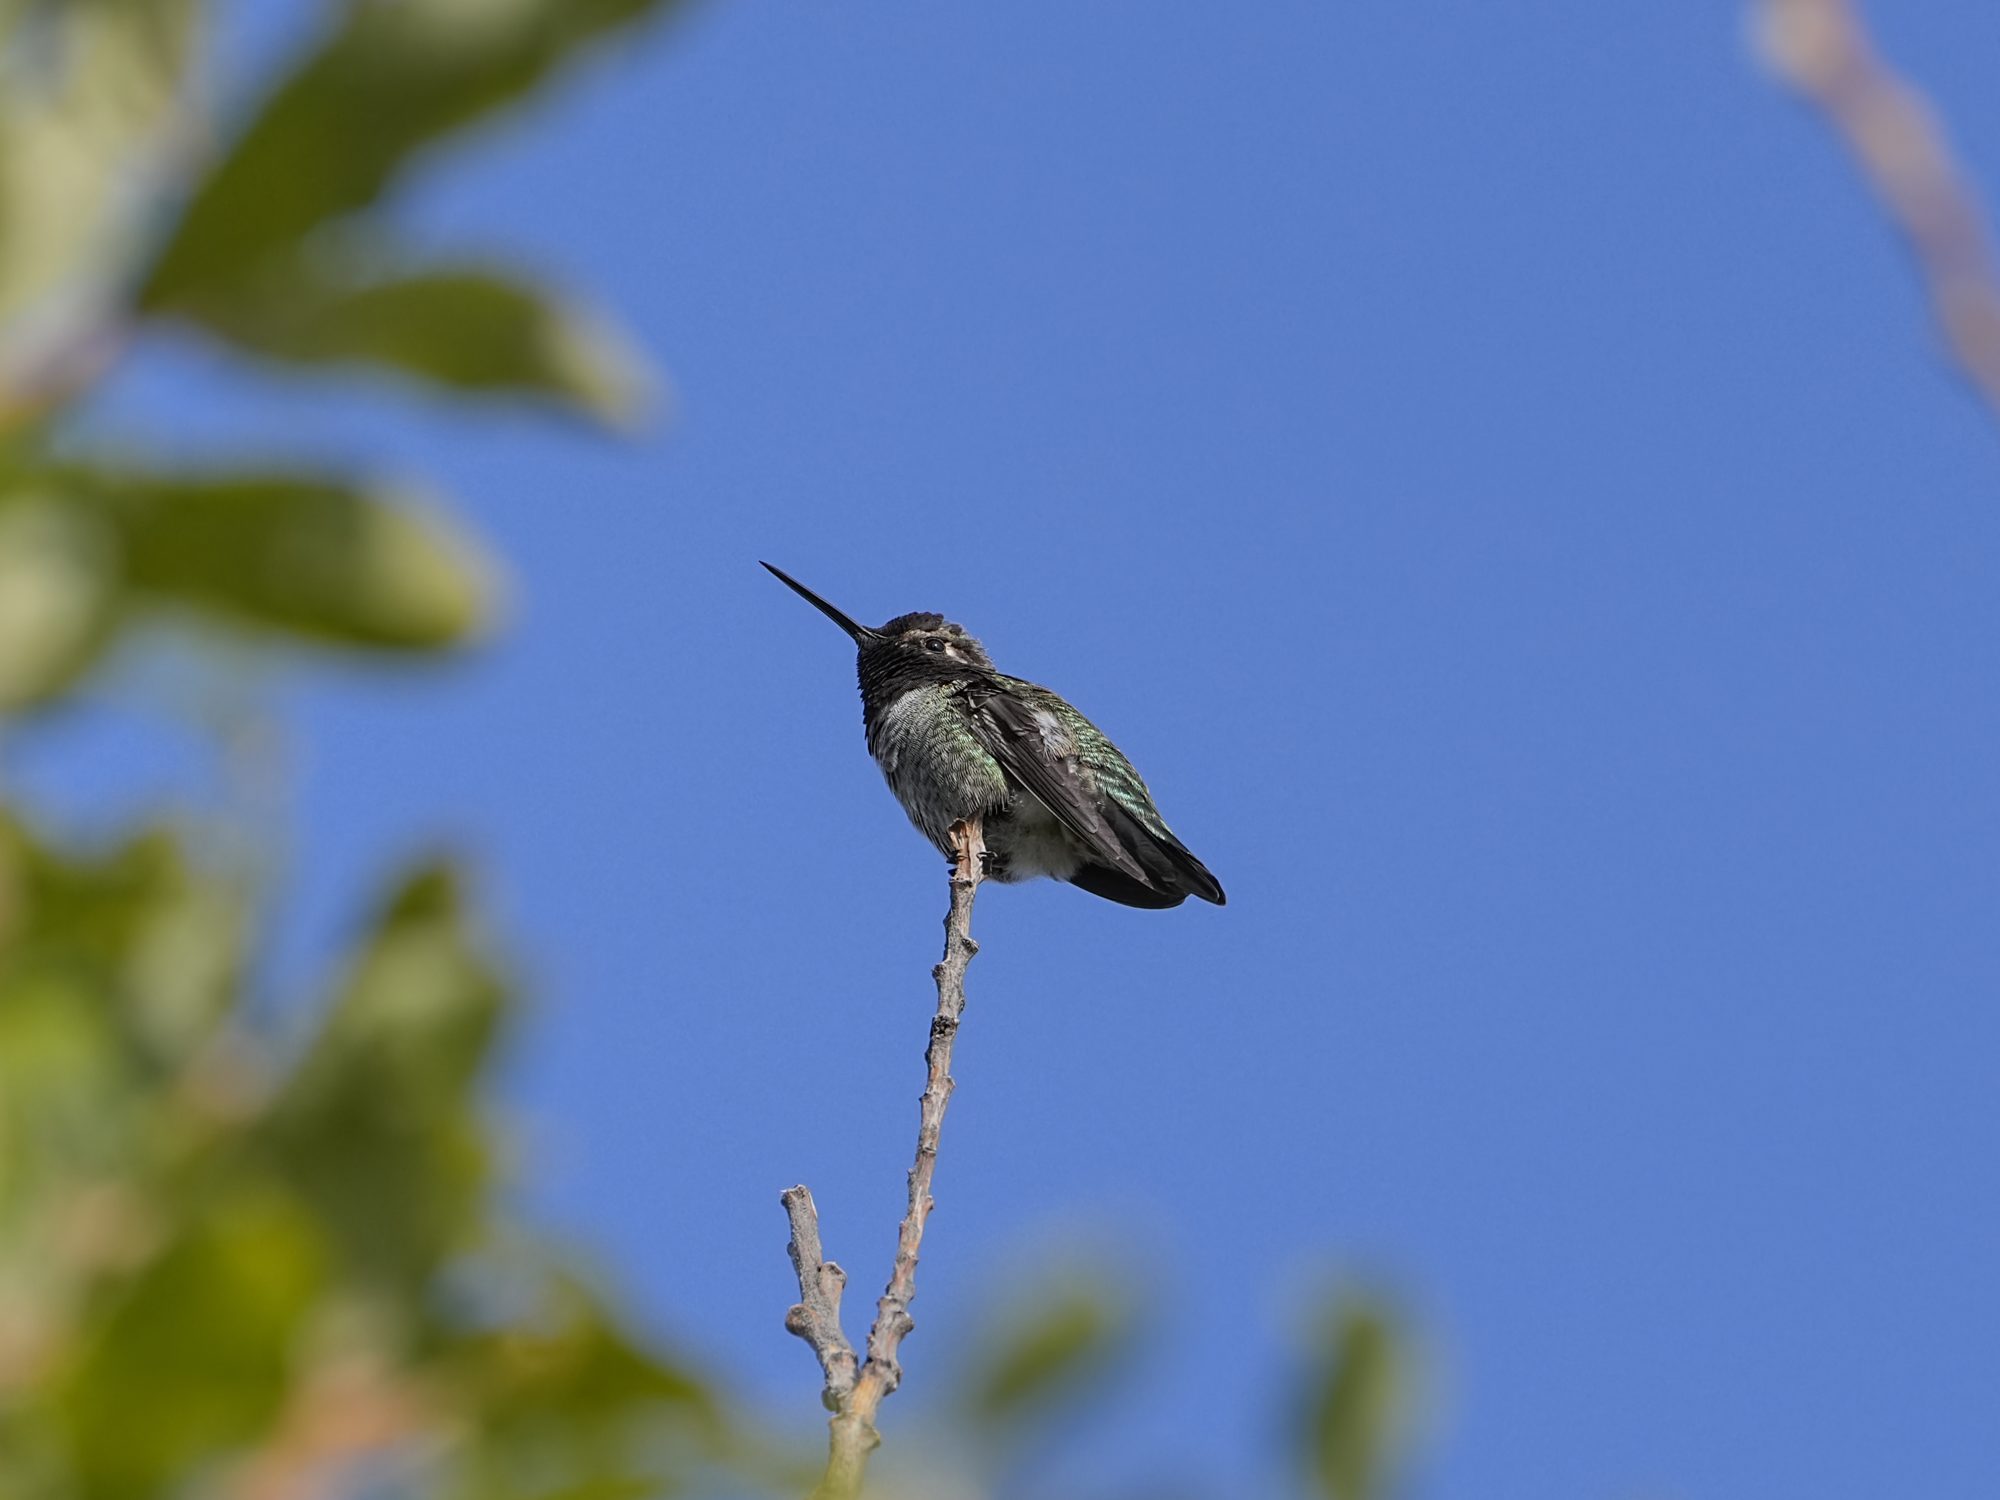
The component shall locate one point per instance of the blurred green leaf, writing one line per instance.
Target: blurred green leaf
(180, 973)
(567, 1405)
(162, 940)
(195, 1357)
(84, 112)
(115, 971)
(313, 557)
(1355, 1399)
(58, 594)
(394, 77)
(303, 555)
(467, 329)
(66, 1108)
(381, 1123)
(1053, 1341)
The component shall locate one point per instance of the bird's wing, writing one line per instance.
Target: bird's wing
(1170, 865)
(1171, 868)
(1040, 751)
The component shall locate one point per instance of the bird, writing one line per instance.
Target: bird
(957, 739)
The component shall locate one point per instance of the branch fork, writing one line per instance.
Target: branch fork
(855, 1386)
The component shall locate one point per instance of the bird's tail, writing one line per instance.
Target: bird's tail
(1172, 872)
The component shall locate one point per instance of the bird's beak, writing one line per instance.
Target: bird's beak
(861, 633)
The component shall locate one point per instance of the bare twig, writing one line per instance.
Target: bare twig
(852, 1395)
(816, 1319)
(1822, 49)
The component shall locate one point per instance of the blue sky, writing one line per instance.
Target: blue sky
(1488, 466)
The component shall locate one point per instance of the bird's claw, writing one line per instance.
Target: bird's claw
(966, 842)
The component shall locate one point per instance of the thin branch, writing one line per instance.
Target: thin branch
(816, 1319)
(854, 1396)
(1822, 48)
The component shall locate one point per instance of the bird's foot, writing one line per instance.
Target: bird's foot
(967, 844)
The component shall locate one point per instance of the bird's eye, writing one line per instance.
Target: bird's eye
(932, 643)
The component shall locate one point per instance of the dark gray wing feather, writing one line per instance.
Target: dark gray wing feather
(1054, 752)
(1170, 865)
(1123, 889)
(1036, 749)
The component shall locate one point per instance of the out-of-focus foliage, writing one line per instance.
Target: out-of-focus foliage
(391, 78)
(260, 1250)
(270, 1262)
(1357, 1395)
(59, 600)
(117, 213)
(124, 207)
(249, 261)
(84, 550)
(253, 1249)
(466, 328)
(1042, 1351)
(91, 94)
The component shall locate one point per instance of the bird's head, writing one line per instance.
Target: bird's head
(933, 643)
(913, 648)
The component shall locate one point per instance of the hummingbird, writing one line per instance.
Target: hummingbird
(958, 739)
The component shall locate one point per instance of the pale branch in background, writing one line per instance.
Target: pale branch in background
(853, 1394)
(1822, 48)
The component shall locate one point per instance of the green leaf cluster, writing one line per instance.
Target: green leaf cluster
(128, 211)
(224, 1252)
(250, 1244)
(115, 215)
